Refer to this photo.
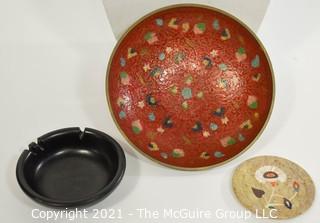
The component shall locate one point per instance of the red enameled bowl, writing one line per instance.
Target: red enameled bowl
(190, 86)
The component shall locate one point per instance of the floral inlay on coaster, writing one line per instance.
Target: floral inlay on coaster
(273, 187)
(190, 87)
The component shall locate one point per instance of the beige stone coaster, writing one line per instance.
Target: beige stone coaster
(273, 187)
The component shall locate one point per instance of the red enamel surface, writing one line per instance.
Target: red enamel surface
(199, 148)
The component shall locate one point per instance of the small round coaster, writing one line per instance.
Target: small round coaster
(273, 187)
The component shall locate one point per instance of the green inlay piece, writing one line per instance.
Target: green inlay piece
(155, 72)
(241, 138)
(177, 153)
(223, 67)
(255, 63)
(152, 117)
(187, 93)
(201, 26)
(148, 36)
(218, 154)
(216, 24)
(178, 57)
(122, 114)
(253, 105)
(213, 126)
(136, 130)
(241, 50)
(123, 74)
(162, 56)
(231, 141)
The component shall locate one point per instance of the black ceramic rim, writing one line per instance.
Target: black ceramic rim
(94, 198)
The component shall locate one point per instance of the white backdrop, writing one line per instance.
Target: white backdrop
(53, 57)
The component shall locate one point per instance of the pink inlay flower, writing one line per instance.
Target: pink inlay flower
(125, 79)
(150, 37)
(227, 141)
(136, 126)
(199, 28)
(252, 102)
(241, 54)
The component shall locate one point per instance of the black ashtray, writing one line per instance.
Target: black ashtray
(71, 168)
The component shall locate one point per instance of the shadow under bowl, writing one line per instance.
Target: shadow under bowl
(71, 168)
